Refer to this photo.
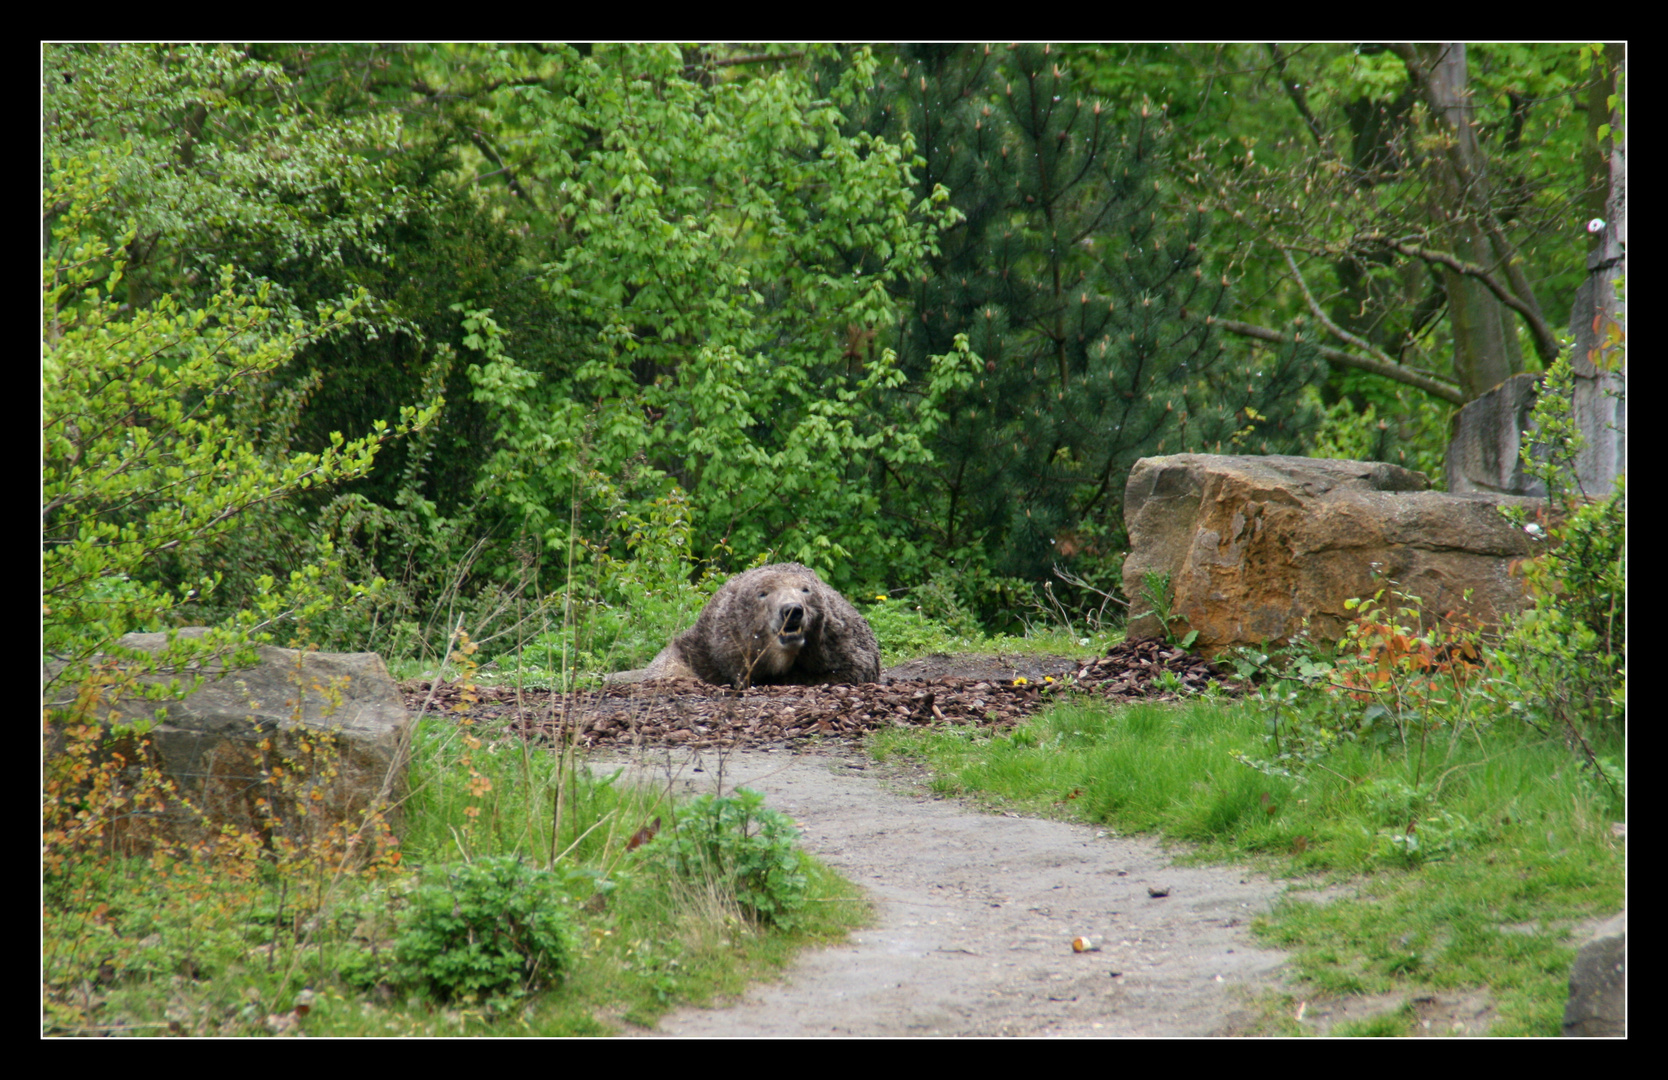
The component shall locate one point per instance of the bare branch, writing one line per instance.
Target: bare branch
(756, 58)
(486, 148)
(1546, 345)
(1436, 388)
(1300, 100)
(1337, 331)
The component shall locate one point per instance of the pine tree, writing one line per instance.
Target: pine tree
(1083, 291)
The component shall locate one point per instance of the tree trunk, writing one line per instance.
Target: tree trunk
(1486, 352)
(1595, 162)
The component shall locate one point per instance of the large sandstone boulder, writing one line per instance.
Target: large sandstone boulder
(1255, 545)
(338, 718)
(1597, 1007)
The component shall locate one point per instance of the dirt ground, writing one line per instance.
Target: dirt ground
(987, 691)
(976, 913)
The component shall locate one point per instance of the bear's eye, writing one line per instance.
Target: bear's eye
(762, 595)
(805, 590)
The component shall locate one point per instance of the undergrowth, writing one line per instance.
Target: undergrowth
(528, 895)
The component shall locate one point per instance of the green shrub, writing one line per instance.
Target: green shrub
(1564, 662)
(1415, 828)
(905, 630)
(495, 927)
(1402, 427)
(1388, 684)
(742, 847)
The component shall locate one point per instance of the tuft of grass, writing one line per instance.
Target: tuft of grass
(1384, 1025)
(906, 633)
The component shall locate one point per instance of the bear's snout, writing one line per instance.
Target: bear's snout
(791, 619)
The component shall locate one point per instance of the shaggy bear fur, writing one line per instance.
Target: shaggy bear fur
(775, 624)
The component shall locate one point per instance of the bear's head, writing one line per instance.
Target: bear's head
(785, 618)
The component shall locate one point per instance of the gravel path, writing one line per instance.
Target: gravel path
(976, 917)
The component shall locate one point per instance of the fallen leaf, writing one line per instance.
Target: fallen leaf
(643, 835)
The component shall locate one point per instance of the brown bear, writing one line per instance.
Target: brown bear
(774, 624)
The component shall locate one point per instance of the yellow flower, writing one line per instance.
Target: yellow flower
(881, 597)
(1020, 681)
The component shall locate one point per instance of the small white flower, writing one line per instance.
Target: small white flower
(1596, 225)
(1535, 531)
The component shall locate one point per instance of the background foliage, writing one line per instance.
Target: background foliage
(904, 313)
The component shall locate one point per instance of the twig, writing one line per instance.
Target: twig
(1435, 387)
(1546, 345)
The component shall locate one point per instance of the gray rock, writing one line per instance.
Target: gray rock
(1597, 1007)
(339, 716)
(1487, 432)
(1600, 395)
(1486, 438)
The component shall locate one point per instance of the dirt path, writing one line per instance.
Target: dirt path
(976, 915)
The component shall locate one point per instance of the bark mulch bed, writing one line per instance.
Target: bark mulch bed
(684, 712)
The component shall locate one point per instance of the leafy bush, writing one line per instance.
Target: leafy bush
(1403, 427)
(904, 630)
(143, 883)
(1412, 680)
(154, 389)
(1388, 684)
(739, 845)
(1416, 829)
(644, 588)
(939, 600)
(1564, 662)
(491, 928)
(708, 356)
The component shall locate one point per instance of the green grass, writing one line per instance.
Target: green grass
(642, 956)
(1148, 768)
(206, 970)
(904, 634)
(223, 945)
(1514, 847)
